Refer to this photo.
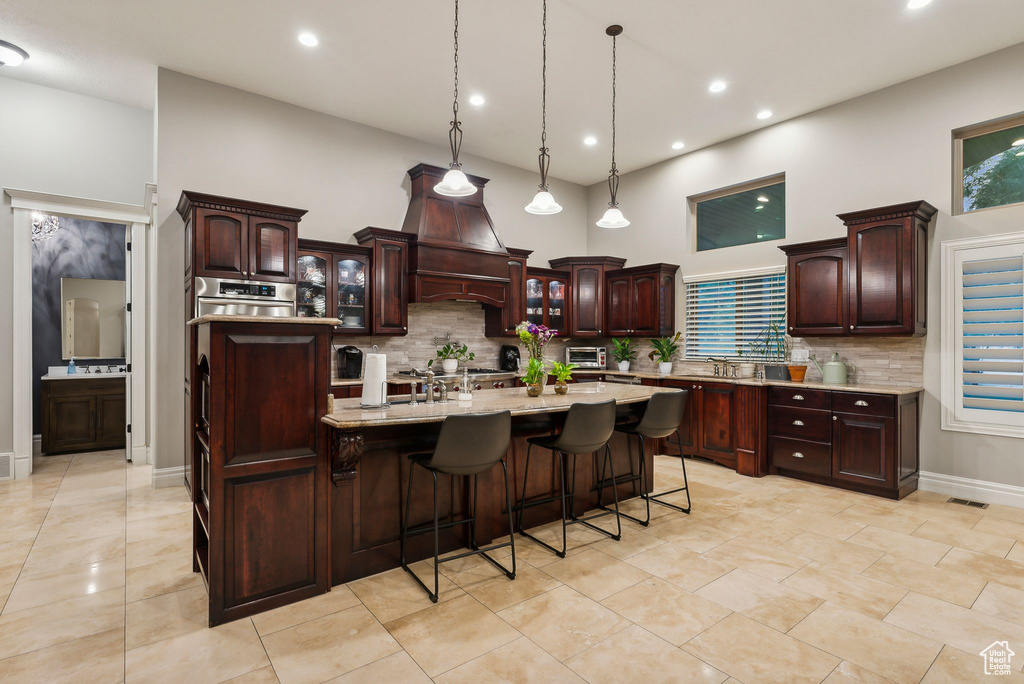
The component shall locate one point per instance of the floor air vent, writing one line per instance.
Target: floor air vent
(966, 502)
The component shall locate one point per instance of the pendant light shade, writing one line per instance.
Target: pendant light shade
(455, 183)
(613, 217)
(544, 203)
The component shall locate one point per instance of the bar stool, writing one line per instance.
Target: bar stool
(587, 429)
(661, 419)
(467, 445)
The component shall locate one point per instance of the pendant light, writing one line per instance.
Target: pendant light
(613, 217)
(455, 182)
(543, 203)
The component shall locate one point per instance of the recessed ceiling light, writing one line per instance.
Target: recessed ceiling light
(1017, 143)
(590, 140)
(917, 4)
(762, 198)
(764, 114)
(759, 207)
(11, 54)
(308, 39)
(717, 86)
(476, 100)
(678, 145)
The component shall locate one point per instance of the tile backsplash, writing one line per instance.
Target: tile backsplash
(878, 360)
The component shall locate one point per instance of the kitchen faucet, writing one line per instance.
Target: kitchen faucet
(726, 365)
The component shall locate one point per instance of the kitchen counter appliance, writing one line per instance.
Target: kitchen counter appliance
(587, 357)
(508, 358)
(350, 362)
(244, 298)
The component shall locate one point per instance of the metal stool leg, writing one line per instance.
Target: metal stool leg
(685, 488)
(511, 530)
(408, 508)
(522, 505)
(522, 493)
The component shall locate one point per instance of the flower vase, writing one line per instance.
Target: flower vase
(561, 387)
(534, 390)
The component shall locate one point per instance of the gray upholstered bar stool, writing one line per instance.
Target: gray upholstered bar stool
(661, 420)
(467, 445)
(587, 429)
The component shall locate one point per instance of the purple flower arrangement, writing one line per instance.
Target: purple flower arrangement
(535, 338)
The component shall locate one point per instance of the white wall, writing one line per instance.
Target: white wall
(894, 145)
(59, 142)
(220, 140)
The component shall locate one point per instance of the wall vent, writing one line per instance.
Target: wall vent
(6, 466)
(966, 502)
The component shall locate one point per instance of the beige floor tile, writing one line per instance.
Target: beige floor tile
(940, 512)
(594, 574)
(777, 657)
(89, 528)
(451, 633)
(163, 526)
(199, 657)
(682, 567)
(55, 623)
(825, 549)
(165, 616)
(96, 659)
(872, 597)
(393, 594)
(158, 503)
(518, 662)
(1002, 602)
(1000, 527)
(938, 582)
(50, 558)
(66, 583)
(691, 534)
(170, 548)
(758, 557)
(953, 666)
(701, 491)
(848, 673)
(968, 630)
(965, 537)
(15, 553)
(772, 532)
(649, 659)
(19, 531)
(757, 505)
(666, 610)
(813, 501)
(162, 577)
(807, 519)
(1002, 512)
(497, 592)
(329, 646)
(563, 622)
(264, 675)
(880, 518)
(770, 603)
(85, 496)
(104, 510)
(1016, 553)
(632, 543)
(895, 653)
(338, 599)
(1008, 572)
(899, 544)
(397, 668)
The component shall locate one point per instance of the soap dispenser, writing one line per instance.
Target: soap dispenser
(71, 366)
(465, 391)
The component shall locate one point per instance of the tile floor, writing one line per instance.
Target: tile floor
(770, 580)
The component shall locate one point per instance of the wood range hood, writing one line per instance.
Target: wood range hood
(455, 252)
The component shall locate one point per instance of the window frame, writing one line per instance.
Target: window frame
(973, 131)
(732, 275)
(952, 358)
(694, 200)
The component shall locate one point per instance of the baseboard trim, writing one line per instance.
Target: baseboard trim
(140, 455)
(169, 477)
(22, 466)
(975, 490)
(37, 445)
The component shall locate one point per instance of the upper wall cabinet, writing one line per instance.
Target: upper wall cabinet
(502, 322)
(389, 289)
(587, 310)
(817, 273)
(548, 294)
(334, 282)
(640, 301)
(238, 239)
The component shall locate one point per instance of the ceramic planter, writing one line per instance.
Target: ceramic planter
(450, 365)
(561, 387)
(796, 373)
(534, 390)
(664, 367)
(623, 366)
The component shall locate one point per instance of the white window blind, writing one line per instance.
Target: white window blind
(727, 311)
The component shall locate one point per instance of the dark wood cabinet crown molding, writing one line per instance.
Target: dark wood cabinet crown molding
(919, 209)
(190, 200)
(816, 246)
(609, 262)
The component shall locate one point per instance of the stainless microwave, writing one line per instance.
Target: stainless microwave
(587, 357)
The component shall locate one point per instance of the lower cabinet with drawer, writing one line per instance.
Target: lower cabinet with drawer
(83, 414)
(855, 440)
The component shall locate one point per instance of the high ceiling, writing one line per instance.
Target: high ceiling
(387, 63)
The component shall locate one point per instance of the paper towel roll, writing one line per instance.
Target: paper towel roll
(375, 379)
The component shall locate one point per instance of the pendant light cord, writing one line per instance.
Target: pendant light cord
(613, 174)
(455, 133)
(544, 160)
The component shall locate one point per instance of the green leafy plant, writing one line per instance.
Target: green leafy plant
(534, 372)
(664, 348)
(771, 343)
(623, 350)
(451, 351)
(562, 371)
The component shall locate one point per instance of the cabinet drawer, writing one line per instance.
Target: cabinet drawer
(800, 423)
(864, 404)
(797, 396)
(796, 454)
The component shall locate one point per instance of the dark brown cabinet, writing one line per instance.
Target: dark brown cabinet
(83, 414)
(818, 301)
(717, 416)
(389, 290)
(547, 298)
(587, 277)
(502, 322)
(640, 301)
(334, 281)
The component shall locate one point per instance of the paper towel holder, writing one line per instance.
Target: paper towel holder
(383, 391)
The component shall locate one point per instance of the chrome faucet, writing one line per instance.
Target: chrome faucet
(429, 386)
(726, 366)
(444, 393)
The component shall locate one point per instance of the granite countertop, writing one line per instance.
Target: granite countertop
(230, 318)
(852, 387)
(83, 376)
(348, 413)
(346, 382)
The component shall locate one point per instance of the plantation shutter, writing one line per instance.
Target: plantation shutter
(726, 312)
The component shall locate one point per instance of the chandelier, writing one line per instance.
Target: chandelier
(44, 226)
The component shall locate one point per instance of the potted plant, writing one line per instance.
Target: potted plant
(563, 373)
(772, 347)
(451, 355)
(623, 352)
(534, 337)
(534, 377)
(664, 349)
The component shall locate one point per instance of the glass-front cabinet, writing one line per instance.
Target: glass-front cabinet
(333, 281)
(547, 298)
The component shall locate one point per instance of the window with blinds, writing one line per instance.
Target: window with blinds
(727, 311)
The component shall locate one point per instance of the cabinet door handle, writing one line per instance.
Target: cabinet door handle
(799, 423)
(851, 327)
(797, 454)
(798, 397)
(700, 386)
(790, 328)
(835, 417)
(860, 402)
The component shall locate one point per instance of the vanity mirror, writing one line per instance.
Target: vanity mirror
(92, 318)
